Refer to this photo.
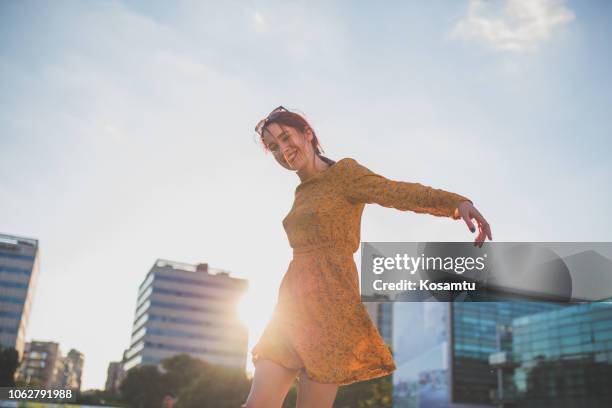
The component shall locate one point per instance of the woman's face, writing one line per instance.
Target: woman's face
(291, 148)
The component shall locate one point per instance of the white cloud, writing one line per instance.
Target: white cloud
(512, 25)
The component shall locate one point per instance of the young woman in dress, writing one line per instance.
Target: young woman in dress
(320, 331)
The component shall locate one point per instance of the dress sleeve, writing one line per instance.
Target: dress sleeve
(364, 186)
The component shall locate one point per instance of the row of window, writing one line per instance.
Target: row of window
(558, 319)
(9, 330)
(585, 351)
(186, 349)
(187, 294)
(179, 333)
(5, 313)
(12, 299)
(15, 271)
(184, 320)
(178, 306)
(139, 324)
(9, 284)
(16, 256)
(227, 285)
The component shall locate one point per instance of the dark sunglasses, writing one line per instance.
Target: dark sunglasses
(273, 115)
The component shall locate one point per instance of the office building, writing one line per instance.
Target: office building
(19, 264)
(43, 364)
(474, 338)
(183, 308)
(442, 351)
(115, 374)
(560, 358)
(72, 370)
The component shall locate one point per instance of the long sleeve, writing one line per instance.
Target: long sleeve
(364, 186)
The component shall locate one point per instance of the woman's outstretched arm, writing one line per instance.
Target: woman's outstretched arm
(365, 186)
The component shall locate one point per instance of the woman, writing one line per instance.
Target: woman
(320, 331)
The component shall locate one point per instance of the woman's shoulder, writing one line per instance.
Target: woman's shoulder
(348, 168)
(350, 165)
(346, 162)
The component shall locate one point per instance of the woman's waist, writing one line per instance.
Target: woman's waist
(322, 248)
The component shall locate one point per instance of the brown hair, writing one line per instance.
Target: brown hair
(296, 121)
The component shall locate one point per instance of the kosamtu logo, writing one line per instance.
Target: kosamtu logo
(412, 264)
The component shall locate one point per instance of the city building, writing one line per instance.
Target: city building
(474, 338)
(442, 351)
(192, 309)
(381, 312)
(115, 374)
(537, 352)
(560, 358)
(19, 264)
(72, 370)
(44, 365)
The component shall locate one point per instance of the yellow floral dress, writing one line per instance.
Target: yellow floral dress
(319, 324)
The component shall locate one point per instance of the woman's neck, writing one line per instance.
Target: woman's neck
(316, 166)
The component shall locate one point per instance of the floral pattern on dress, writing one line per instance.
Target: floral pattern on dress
(319, 324)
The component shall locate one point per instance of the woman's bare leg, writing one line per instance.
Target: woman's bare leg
(312, 394)
(270, 385)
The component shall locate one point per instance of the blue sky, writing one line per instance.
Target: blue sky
(126, 134)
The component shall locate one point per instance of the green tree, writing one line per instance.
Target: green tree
(216, 387)
(9, 362)
(181, 370)
(144, 387)
(376, 393)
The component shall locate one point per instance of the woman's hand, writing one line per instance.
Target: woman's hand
(467, 211)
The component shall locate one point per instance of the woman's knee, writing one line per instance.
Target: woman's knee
(270, 385)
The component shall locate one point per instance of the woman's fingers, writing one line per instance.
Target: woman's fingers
(488, 231)
(468, 213)
(481, 236)
(482, 223)
(468, 221)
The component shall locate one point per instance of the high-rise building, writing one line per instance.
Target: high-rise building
(44, 365)
(474, 338)
(442, 351)
(72, 370)
(560, 358)
(115, 374)
(190, 309)
(19, 261)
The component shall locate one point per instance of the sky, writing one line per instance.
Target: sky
(126, 135)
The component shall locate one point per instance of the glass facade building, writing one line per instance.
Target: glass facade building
(474, 337)
(442, 351)
(561, 358)
(503, 354)
(19, 264)
(191, 309)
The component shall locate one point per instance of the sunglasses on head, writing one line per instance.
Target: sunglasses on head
(273, 115)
